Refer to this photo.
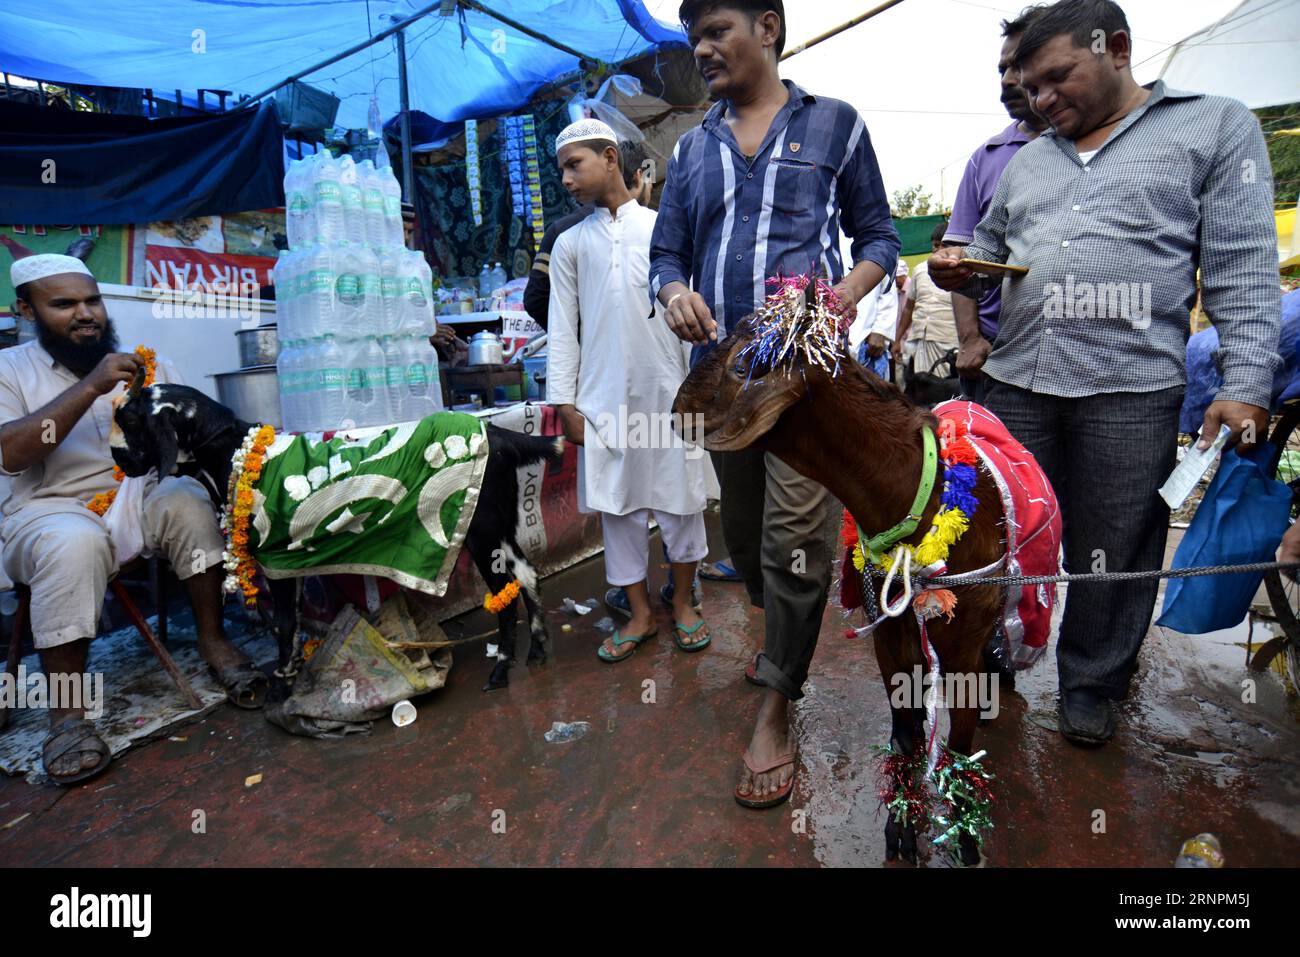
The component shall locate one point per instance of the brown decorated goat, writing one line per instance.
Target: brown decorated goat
(861, 438)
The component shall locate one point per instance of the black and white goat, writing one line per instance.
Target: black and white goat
(162, 424)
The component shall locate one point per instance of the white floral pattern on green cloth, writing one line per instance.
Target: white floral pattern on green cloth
(397, 505)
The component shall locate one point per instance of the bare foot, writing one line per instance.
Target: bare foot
(771, 739)
(218, 652)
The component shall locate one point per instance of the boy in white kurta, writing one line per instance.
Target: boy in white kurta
(613, 373)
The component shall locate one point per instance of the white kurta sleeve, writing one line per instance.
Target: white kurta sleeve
(886, 321)
(562, 327)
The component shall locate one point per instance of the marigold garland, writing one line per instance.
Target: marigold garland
(245, 470)
(957, 505)
(503, 599)
(100, 504)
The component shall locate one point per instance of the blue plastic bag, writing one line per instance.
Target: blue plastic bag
(1241, 520)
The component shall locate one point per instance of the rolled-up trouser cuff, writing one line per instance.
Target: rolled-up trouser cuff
(772, 676)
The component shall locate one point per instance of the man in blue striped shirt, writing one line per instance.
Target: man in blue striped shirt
(763, 188)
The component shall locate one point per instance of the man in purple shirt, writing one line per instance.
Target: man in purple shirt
(977, 326)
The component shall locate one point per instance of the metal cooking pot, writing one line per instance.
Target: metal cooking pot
(252, 394)
(258, 347)
(485, 349)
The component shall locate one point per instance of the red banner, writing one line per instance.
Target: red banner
(180, 268)
(233, 255)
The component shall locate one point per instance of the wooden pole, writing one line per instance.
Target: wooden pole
(840, 29)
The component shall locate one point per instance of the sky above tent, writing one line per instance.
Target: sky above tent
(924, 73)
(246, 46)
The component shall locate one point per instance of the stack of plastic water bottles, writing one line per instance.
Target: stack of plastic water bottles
(354, 306)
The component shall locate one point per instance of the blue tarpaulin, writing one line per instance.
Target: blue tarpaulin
(464, 66)
(57, 166)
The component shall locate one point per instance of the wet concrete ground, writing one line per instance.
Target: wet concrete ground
(473, 782)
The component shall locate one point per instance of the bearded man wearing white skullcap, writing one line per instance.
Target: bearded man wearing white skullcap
(56, 406)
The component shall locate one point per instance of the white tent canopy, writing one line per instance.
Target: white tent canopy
(1252, 54)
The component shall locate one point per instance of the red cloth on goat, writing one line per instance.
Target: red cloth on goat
(1033, 528)
(1033, 532)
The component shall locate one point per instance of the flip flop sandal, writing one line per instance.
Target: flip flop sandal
(679, 633)
(619, 642)
(719, 572)
(781, 796)
(74, 734)
(245, 684)
(751, 674)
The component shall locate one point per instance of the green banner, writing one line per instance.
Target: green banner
(915, 233)
(109, 261)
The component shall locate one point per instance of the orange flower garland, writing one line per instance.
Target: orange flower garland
(503, 599)
(100, 503)
(246, 469)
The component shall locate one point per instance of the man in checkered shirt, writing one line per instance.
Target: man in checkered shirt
(1113, 211)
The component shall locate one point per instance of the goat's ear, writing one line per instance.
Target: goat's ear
(755, 410)
(164, 426)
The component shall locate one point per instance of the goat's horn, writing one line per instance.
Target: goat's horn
(137, 383)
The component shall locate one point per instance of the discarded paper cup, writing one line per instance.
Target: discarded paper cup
(403, 713)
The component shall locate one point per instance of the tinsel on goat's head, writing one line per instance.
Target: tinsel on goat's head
(788, 326)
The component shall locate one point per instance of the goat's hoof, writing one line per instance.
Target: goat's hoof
(538, 653)
(968, 852)
(900, 841)
(909, 849)
(500, 677)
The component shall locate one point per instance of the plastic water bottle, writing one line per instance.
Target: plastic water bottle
(328, 190)
(372, 201)
(396, 235)
(1203, 850)
(377, 378)
(485, 282)
(284, 289)
(349, 300)
(499, 278)
(372, 298)
(292, 198)
(390, 291)
(417, 305)
(399, 404)
(286, 374)
(331, 400)
(354, 221)
(304, 393)
(367, 390)
(300, 210)
(301, 302)
(316, 313)
(423, 391)
(309, 383)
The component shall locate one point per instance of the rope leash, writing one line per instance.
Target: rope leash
(958, 581)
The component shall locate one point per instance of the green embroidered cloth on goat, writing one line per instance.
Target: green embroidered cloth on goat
(396, 505)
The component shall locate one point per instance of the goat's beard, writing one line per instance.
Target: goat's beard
(77, 358)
